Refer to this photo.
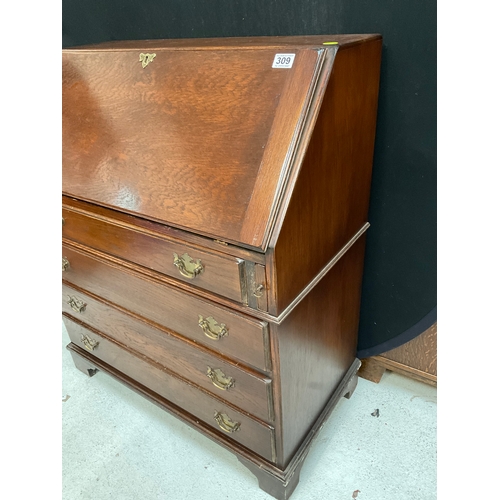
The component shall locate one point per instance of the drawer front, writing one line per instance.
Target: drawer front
(217, 328)
(247, 431)
(243, 388)
(216, 273)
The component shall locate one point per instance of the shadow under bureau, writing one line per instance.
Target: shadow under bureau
(215, 200)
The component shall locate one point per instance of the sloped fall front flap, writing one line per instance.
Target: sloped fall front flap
(197, 138)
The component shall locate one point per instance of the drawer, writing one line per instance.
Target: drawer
(244, 429)
(218, 273)
(246, 389)
(218, 328)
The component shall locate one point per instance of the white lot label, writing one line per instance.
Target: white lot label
(283, 60)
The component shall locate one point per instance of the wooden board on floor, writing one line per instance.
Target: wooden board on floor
(416, 359)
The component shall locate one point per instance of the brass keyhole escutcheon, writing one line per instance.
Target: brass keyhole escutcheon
(65, 264)
(220, 379)
(145, 59)
(225, 423)
(212, 329)
(188, 267)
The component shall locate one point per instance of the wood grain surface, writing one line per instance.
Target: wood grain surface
(251, 391)
(208, 153)
(159, 230)
(330, 199)
(279, 152)
(317, 346)
(253, 434)
(419, 353)
(416, 359)
(221, 273)
(167, 306)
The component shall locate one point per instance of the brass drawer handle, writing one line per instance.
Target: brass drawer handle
(220, 379)
(225, 423)
(259, 291)
(212, 329)
(89, 343)
(188, 267)
(65, 264)
(76, 304)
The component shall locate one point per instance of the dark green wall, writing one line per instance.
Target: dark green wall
(399, 288)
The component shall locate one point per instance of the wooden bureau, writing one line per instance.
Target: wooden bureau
(215, 200)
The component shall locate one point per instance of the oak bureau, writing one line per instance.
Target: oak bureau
(215, 200)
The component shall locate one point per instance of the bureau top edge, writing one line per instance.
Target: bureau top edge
(230, 43)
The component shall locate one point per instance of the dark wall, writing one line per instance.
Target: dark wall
(399, 288)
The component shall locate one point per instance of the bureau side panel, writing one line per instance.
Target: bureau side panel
(329, 203)
(317, 346)
(219, 274)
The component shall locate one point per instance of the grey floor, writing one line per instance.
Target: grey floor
(117, 445)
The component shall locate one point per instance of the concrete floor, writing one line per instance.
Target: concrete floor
(117, 445)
